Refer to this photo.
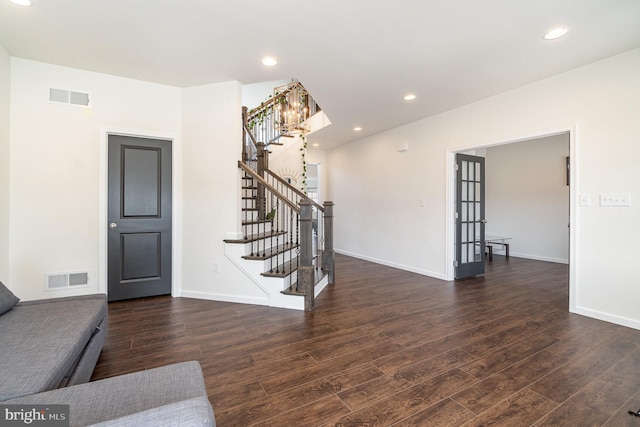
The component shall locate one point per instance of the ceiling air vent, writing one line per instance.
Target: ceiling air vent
(69, 97)
(56, 281)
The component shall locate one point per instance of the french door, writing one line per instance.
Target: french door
(470, 219)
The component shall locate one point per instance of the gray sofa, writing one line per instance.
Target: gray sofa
(49, 348)
(173, 395)
(47, 344)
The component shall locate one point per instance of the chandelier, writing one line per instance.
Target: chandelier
(292, 109)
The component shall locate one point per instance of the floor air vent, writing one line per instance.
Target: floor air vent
(69, 97)
(66, 280)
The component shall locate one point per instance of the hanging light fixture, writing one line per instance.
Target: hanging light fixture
(293, 107)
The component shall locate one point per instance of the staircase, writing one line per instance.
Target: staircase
(287, 243)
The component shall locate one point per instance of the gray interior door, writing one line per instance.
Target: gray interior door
(139, 242)
(470, 219)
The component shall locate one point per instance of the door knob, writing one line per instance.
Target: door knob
(113, 226)
(484, 221)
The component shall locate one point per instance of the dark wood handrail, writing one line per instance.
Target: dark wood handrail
(294, 189)
(270, 187)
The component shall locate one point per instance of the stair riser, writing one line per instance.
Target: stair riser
(279, 259)
(249, 206)
(280, 283)
(248, 192)
(283, 283)
(249, 229)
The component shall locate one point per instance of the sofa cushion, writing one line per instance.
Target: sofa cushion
(173, 395)
(41, 342)
(7, 299)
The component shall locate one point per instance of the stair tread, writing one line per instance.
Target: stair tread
(254, 237)
(318, 276)
(268, 253)
(257, 221)
(283, 270)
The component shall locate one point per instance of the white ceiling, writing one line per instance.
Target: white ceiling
(356, 57)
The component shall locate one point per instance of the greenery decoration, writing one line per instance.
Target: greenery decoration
(303, 153)
(265, 109)
(271, 214)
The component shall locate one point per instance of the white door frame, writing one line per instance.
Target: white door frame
(573, 202)
(176, 189)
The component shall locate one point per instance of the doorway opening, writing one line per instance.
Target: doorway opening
(530, 186)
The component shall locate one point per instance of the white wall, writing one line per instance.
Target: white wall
(377, 189)
(286, 160)
(527, 197)
(256, 93)
(56, 162)
(212, 146)
(58, 159)
(5, 102)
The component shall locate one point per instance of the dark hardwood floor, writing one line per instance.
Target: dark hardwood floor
(387, 347)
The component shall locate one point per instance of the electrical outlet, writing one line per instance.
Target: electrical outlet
(216, 267)
(615, 199)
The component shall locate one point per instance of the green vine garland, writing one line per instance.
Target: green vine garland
(303, 152)
(263, 112)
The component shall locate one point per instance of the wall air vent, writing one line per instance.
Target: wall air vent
(69, 97)
(57, 281)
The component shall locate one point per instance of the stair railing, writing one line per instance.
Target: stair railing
(317, 236)
(297, 222)
(272, 225)
(264, 123)
(277, 215)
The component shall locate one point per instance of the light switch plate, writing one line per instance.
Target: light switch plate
(615, 199)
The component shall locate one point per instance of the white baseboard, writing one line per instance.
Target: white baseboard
(535, 257)
(618, 320)
(440, 276)
(224, 298)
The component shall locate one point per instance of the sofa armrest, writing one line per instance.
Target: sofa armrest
(173, 394)
(194, 412)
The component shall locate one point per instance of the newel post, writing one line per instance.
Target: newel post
(328, 255)
(306, 269)
(261, 167)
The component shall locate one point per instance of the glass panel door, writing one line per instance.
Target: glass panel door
(470, 221)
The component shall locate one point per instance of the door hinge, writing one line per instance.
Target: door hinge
(455, 263)
(455, 215)
(456, 166)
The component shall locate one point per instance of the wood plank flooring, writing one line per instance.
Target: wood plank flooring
(386, 347)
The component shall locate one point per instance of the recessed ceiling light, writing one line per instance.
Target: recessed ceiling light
(269, 61)
(409, 97)
(357, 129)
(556, 33)
(315, 144)
(21, 2)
